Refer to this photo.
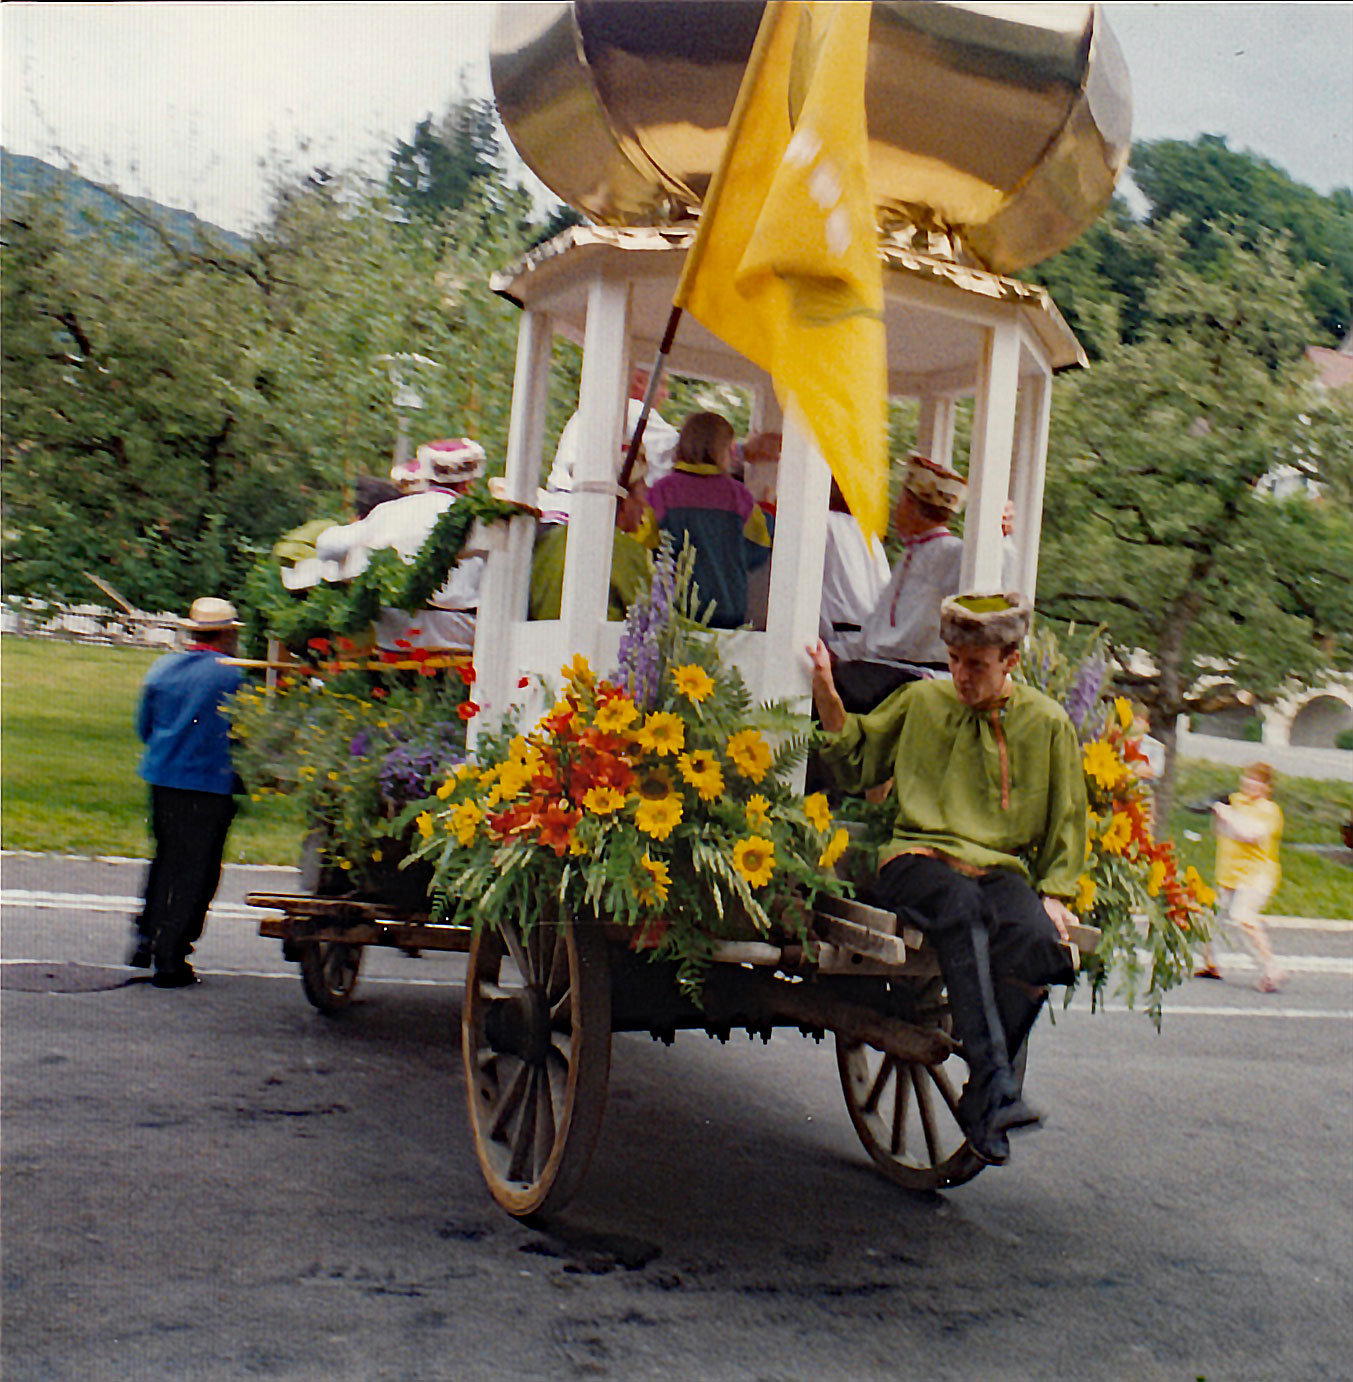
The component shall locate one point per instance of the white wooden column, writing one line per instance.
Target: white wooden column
(1030, 469)
(507, 571)
(993, 436)
(935, 428)
(796, 576)
(602, 401)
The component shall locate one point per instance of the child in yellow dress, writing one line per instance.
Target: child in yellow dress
(1249, 826)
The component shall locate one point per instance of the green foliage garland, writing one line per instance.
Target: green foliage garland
(294, 618)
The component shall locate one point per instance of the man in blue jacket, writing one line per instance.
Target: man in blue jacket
(192, 780)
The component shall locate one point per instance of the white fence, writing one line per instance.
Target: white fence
(88, 624)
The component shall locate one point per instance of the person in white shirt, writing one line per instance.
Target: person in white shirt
(899, 639)
(431, 481)
(854, 572)
(660, 439)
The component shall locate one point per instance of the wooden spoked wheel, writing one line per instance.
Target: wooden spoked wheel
(329, 973)
(536, 1038)
(903, 1112)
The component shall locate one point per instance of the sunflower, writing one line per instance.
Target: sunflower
(657, 784)
(758, 812)
(465, 822)
(693, 682)
(662, 733)
(754, 859)
(1085, 898)
(818, 812)
(701, 769)
(1155, 876)
(1102, 764)
(750, 754)
(659, 879)
(616, 715)
(836, 847)
(659, 818)
(603, 801)
(1116, 838)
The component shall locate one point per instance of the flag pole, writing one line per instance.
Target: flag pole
(654, 377)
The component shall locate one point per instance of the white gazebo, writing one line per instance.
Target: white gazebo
(952, 332)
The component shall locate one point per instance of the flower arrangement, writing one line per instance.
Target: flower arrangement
(655, 800)
(1149, 915)
(354, 738)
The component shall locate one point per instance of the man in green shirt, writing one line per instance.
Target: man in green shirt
(988, 841)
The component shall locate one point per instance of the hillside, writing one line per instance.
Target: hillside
(90, 206)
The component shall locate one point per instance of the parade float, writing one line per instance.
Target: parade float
(622, 841)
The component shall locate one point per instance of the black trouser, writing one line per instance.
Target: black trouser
(190, 833)
(997, 948)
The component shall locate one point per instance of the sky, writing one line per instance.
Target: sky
(192, 104)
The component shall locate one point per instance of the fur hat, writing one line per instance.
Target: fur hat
(210, 615)
(936, 484)
(974, 620)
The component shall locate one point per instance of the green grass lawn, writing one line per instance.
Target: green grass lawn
(68, 784)
(68, 756)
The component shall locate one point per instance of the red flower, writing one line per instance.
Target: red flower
(389, 657)
(320, 645)
(556, 826)
(345, 645)
(427, 671)
(403, 643)
(467, 710)
(419, 655)
(523, 683)
(378, 693)
(467, 674)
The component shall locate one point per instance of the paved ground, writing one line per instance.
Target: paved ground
(220, 1183)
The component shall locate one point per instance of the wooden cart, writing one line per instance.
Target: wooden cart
(539, 1010)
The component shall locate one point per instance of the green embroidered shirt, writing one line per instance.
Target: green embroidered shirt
(996, 788)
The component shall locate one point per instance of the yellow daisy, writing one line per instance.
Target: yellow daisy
(579, 672)
(1119, 833)
(1155, 876)
(836, 847)
(1102, 764)
(659, 818)
(1123, 707)
(659, 876)
(754, 859)
(750, 754)
(1194, 881)
(818, 812)
(701, 769)
(1085, 898)
(758, 812)
(693, 682)
(424, 824)
(603, 801)
(662, 733)
(616, 715)
(465, 822)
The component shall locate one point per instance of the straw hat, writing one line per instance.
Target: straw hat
(210, 615)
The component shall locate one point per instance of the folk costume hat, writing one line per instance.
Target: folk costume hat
(447, 461)
(933, 483)
(210, 615)
(970, 621)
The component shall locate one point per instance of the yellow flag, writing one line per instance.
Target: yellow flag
(785, 265)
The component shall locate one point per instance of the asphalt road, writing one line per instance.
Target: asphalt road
(220, 1183)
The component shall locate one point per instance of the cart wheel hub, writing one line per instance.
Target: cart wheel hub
(520, 1026)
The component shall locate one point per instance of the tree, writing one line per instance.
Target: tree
(172, 406)
(437, 170)
(1101, 281)
(1156, 524)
